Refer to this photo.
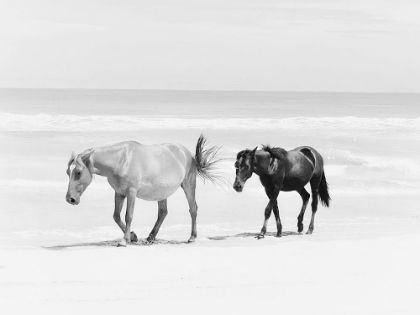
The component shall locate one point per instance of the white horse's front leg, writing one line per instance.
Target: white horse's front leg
(119, 201)
(131, 198)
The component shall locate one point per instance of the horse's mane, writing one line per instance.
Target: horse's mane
(243, 153)
(276, 152)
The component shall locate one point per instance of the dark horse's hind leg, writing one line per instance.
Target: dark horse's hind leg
(305, 198)
(162, 212)
(314, 187)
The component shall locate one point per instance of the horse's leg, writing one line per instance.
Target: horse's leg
(305, 198)
(277, 216)
(314, 187)
(162, 212)
(272, 194)
(267, 214)
(188, 185)
(131, 198)
(119, 202)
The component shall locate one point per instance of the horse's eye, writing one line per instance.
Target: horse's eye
(236, 164)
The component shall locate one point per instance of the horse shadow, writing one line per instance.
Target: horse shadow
(144, 242)
(251, 235)
(114, 243)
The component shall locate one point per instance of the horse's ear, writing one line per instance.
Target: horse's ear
(253, 151)
(72, 157)
(78, 161)
(87, 161)
(86, 158)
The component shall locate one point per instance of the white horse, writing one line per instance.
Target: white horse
(149, 172)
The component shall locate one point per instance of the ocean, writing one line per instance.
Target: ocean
(370, 145)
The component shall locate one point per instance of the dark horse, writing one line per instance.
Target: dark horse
(281, 170)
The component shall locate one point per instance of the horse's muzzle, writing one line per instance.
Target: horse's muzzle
(72, 201)
(238, 187)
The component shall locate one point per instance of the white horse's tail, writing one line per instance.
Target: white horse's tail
(207, 161)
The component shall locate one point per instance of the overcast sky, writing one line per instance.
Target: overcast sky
(284, 45)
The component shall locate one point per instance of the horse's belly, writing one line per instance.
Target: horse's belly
(156, 192)
(294, 183)
(147, 190)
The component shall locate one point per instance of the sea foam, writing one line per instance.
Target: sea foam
(75, 123)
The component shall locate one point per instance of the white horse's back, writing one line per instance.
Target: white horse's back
(155, 171)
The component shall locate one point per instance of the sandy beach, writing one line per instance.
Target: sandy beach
(354, 263)
(362, 258)
(303, 275)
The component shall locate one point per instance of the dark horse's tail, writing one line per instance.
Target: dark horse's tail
(207, 162)
(324, 196)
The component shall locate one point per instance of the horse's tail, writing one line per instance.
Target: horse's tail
(207, 161)
(324, 196)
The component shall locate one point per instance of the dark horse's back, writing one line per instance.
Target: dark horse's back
(303, 165)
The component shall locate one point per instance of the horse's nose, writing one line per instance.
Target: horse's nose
(237, 187)
(71, 200)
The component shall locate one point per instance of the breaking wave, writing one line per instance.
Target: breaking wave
(74, 123)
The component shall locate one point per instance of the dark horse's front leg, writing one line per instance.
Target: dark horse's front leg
(277, 216)
(272, 194)
(272, 206)
(267, 215)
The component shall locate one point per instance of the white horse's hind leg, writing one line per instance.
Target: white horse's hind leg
(188, 185)
(162, 212)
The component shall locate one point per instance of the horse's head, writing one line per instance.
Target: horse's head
(79, 177)
(244, 166)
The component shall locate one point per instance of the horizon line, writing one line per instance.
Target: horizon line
(205, 90)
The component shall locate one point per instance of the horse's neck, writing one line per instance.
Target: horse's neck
(104, 161)
(261, 163)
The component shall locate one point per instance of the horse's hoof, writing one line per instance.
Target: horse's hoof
(300, 228)
(122, 243)
(133, 237)
(260, 236)
(309, 232)
(191, 240)
(150, 240)
(279, 235)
